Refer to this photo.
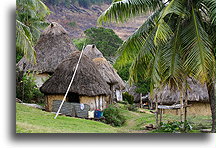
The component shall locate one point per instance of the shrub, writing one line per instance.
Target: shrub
(174, 127)
(127, 97)
(132, 107)
(26, 89)
(72, 24)
(112, 116)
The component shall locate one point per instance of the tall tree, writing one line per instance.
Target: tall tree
(173, 43)
(30, 19)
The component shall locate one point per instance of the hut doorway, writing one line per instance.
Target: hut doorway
(73, 98)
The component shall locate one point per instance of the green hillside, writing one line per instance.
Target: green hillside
(30, 120)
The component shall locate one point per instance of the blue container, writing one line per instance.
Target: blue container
(98, 114)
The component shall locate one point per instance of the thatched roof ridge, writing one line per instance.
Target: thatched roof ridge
(109, 73)
(197, 93)
(92, 52)
(87, 81)
(53, 46)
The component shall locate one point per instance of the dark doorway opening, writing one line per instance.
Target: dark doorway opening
(73, 97)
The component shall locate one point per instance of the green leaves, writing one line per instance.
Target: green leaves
(121, 11)
(30, 15)
(197, 48)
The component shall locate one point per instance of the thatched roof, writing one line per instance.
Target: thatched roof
(109, 73)
(196, 93)
(87, 81)
(92, 52)
(53, 46)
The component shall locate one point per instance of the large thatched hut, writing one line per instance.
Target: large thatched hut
(88, 86)
(53, 46)
(107, 71)
(197, 97)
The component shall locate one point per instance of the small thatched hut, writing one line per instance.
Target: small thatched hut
(53, 46)
(107, 71)
(197, 97)
(88, 86)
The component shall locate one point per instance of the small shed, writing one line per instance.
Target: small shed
(107, 71)
(54, 45)
(88, 86)
(197, 98)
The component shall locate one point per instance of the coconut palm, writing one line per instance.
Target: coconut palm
(30, 15)
(175, 42)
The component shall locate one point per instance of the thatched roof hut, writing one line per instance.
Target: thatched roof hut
(87, 82)
(53, 46)
(196, 93)
(197, 97)
(92, 52)
(109, 73)
(88, 86)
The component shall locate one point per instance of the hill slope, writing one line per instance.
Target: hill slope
(31, 120)
(77, 19)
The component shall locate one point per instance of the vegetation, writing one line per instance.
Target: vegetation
(30, 19)
(128, 98)
(105, 40)
(26, 89)
(177, 41)
(175, 127)
(113, 117)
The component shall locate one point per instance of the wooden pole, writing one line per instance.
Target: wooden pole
(69, 85)
(140, 100)
(182, 106)
(157, 111)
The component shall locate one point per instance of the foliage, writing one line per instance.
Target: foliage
(79, 43)
(105, 40)
(113, 116)
(127, 97)
(30, 19)
(131, 107)
(174, 127)
(72, 24)
(174, 43)
(26, 89)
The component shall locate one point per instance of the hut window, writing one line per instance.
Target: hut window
(73, 97)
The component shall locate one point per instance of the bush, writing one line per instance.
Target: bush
(127, 97)
(174, 127)
(113, 117)
(132, 107)
(26, 89)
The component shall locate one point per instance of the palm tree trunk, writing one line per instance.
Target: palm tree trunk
(211, 93)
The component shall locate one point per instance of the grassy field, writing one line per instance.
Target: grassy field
(30, 120)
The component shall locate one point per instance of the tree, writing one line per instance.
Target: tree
(30, 16)
(174, 43)
(105, 40)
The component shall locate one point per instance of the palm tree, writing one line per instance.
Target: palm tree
(175, 42)
(30, 15)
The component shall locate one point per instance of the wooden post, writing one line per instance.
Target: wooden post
(182, 106)
(140, 100)
(157, 112)
(161, 115)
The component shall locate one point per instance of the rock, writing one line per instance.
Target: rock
(18, 100)
(34, 105)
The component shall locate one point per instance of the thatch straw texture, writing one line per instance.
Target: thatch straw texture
(196, 93)
(87, 81)
(109, 73)
(53, 46)
(92, 52)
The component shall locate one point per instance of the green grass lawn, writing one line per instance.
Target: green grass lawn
(31, 120)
